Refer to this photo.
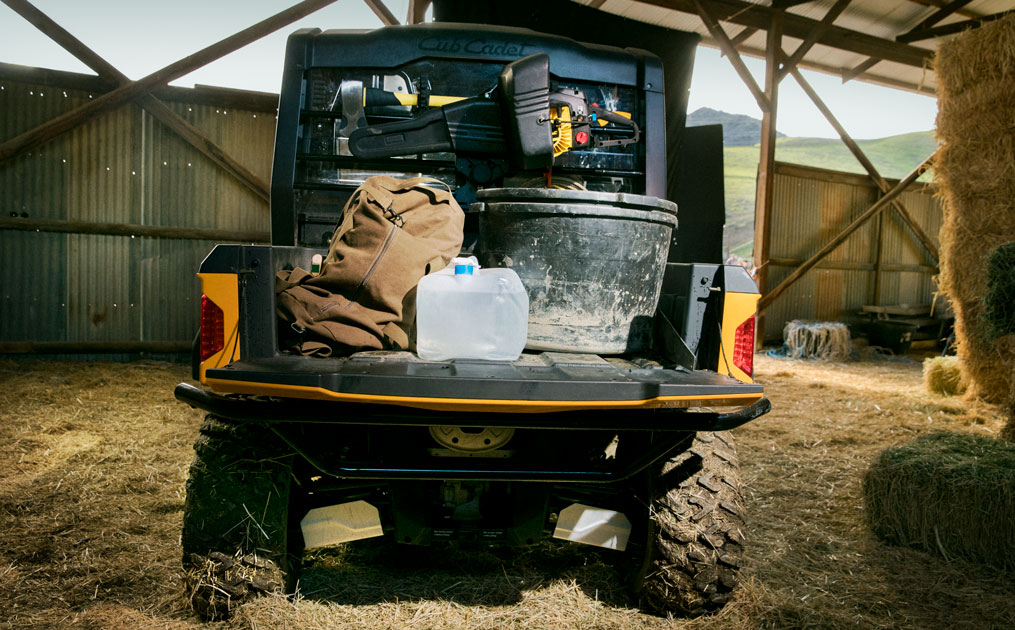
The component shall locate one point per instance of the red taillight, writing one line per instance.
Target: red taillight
(213, 328)
(743, 347)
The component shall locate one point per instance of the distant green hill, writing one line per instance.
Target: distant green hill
(894, 157)
(737, 130)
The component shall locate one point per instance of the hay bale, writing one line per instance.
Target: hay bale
(999, 301)
(943, 375)
(824, 341)
(975, 170)
(946, 493)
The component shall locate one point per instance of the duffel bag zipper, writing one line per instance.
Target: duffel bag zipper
(373, 265)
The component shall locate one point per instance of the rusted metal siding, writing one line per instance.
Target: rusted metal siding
(810, 207)
(121, 167)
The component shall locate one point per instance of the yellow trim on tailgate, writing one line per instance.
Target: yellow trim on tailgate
(479, 404)
(224, 290)
(737, 307)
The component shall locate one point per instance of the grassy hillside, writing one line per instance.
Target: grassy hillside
(737, 130)
(894, 157)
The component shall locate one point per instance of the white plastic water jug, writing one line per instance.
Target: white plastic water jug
(464, 312)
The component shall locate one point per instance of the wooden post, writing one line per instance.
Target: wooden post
(766, 165)
(129, 91)
(417, 11)
(768, 298)
(876, 300)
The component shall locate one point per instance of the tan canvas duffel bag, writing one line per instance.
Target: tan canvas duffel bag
(393, 232)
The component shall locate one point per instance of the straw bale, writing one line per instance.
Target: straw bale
(947, 493)
(975, 169)
(999, 302)
(825, 341)
(943, 375)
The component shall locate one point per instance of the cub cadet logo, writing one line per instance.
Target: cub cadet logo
(474, 47)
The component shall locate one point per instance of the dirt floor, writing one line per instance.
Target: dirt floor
(93, 459)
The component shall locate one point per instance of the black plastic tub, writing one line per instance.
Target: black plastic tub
(895, 335)
(592, 262)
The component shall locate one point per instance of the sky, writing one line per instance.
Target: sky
(141, 36)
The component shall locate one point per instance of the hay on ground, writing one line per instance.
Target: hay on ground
(825, 341)
(946, 493)
(975, 169)
(943, 375)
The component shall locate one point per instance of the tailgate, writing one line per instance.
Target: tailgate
(535, 383)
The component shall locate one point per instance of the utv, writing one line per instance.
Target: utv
(619, 442)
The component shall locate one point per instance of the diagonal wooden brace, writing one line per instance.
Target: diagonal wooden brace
(868, 166)
(719, 35)
(189, 133)
(830, 246)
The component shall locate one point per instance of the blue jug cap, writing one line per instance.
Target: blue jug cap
(463, 270)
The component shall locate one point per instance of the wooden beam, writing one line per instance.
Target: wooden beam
(813, 37)
(595, 4)
(60, 226)
(868, 166)
(205, 145)
(798, 26)
(859, 69)
(767, 299)
(155, 107)
(886, 81)
(852, 265)
(878, 262)
(417, 11)
(954, 27)
(229, 98)
(93, 347)
(764, 193)
(943, 3)
(68, 42)
(382, 12)
(127, 92)
(743, 36)
(727, 46)
(934, 18)
(739, 39)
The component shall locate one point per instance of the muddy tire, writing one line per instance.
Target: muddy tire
(236, 518)
(694, 548)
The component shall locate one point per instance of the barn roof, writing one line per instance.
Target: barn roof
(888, 42)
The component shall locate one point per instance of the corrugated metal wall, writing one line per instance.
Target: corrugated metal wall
(121, 167)
(810, 207)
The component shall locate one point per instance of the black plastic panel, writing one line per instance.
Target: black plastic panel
(700, 197)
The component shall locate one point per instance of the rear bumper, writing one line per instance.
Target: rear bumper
(672, 425)
(288, 410)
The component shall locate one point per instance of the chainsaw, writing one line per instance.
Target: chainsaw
(525, 118)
